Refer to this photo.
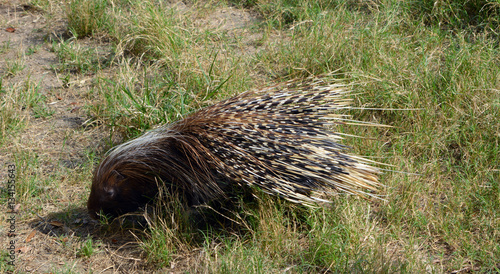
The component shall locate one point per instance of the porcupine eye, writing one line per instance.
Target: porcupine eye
(119, 196)
(110, 188)
(105, 195)
(109, 192)
(107, 204)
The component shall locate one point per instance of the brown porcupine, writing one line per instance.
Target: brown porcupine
(276, 138)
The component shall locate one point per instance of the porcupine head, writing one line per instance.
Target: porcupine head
(132, 174)
(125, 180)
(116, 190)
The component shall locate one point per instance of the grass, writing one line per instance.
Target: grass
(5, 46)
(86, 18)
(76, 59)
(438, 60)
(14, 67)
(87, 249)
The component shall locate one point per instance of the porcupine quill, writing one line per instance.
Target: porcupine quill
(281, 139)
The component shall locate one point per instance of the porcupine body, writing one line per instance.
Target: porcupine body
(281, 139)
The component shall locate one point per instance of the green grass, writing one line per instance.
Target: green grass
(77, 59)
(14, 67)
(87, 249)
(86, 17)
(5, 47)
(17, 99)
(10, 120)
(441, 63)
(6, 262)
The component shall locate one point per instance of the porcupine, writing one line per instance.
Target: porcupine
(279, 138)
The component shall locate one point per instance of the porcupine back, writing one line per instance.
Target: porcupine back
(281, 139)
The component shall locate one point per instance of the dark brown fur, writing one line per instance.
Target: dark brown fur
(127, 180)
